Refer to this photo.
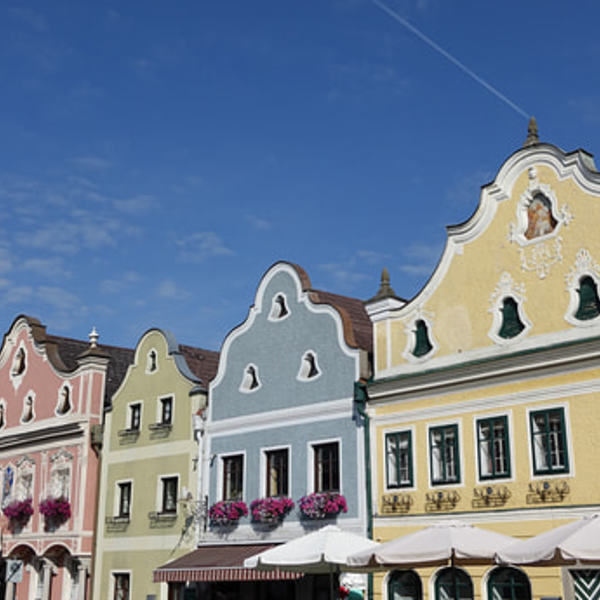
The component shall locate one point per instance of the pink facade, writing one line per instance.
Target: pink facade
(53, 393)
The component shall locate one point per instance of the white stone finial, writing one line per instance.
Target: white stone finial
(93, 335)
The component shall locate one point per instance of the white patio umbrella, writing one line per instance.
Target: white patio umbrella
(567, 544)
(450, 541)
(324, 551)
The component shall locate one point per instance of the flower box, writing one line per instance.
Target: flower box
(55, 510)
(18, 512)
(320, 505)
(270, 510)
(227, 512)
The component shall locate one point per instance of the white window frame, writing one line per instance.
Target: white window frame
(461, 458)
(147, 369)
(584, 266)
(263, 468)
(569, 441)
(275, 307)
(160, 491)
(221, 474)
(301, 376)
(245, 385)
(129, 415)
(311, 462)
(413, 434)
(511, 446)
(33, 415)
(65, 384)
(117, 498)
(159, 406)
(411, 338)
(113, 580)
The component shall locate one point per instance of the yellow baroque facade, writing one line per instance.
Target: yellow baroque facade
(484, 403)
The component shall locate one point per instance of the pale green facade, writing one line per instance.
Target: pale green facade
(148, 474)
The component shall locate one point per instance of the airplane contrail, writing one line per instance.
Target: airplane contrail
(446, 54)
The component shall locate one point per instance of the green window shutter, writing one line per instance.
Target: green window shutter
(422, 344)
(511, 322)
(589, 303)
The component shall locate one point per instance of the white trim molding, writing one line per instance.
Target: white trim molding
(584, 266)
(507, 288)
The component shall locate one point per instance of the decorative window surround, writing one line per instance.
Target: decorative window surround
(19, 366)
(549, 441)
(584, 266)
(309, 368)
(540, 252)
(444, 454)
(411, 331)
(280, 309)
(507, 288)
(399, 466)
(25, 478)
(28, 413)
(151, 361)
(250, 380)
(64, 404)
(493, 448)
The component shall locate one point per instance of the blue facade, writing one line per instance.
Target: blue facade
(285, 385)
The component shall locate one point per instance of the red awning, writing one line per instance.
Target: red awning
(219, 563)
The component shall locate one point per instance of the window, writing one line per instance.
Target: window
(19, 363)
(250, 380)
(308, 367)
(64, 401)
(507, 583)
(548, 439)
(277, 473)
(327, 467)
(279, 308)
(60, 481)
(169, 495)
(443, 450)
(121, 591)
(453, 584)
(166, 411)
(404, 585)
(492, 448)
(28, 414)
(233, 477)
(422, 344)
(511, 322)
(135, 416)
(151, 366)
(589, 303)
(124, 499)
(398, 459)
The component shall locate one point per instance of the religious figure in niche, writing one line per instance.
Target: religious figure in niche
(540, 220)
(64, 402)
(151, 365)
(19, 362)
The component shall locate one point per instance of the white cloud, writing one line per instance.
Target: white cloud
(58, 297)
(421, 259)
(169, 289)
(48, 267)
(258, 223)
(16, 294)
(135, 205)
(116, 286)
(201, 245)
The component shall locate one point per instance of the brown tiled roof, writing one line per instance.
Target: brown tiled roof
(119, 360)
(202, 363)
(354, 309)
(358, 329)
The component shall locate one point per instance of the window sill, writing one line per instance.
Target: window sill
(162, 516)
(117, 520)
(160, 426)
(128, 432)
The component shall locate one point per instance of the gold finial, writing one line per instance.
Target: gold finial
(385, 289)
(532, 134)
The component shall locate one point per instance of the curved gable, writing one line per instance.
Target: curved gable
(508, 275)
(261, 366)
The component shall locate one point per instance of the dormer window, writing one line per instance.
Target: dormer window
(589, 303)
(540, 220)
(19, 363)
(279, 308)
(28, 413)
(512, 325)
(422, 344)
(64, 401)
(151, 365)
(250, 381)
(308, 367)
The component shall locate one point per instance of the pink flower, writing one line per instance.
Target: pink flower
(227, 512)
(19, 510)
(319, 505)
(270, 510)
(56, 509)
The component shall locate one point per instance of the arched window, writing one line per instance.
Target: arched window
(64, 401)
(589, 303)
(453, 584)
(511, 322)
(308, 367)
(506, 583)
(404, 585)
(151, 361)
(250, 380)
(422, 344)
(279, 308)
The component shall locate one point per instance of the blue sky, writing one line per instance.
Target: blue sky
(158, 157)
